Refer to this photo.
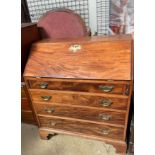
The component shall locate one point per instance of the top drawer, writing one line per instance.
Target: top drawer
(81, 86)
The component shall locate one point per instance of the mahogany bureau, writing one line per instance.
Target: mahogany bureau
(82, 87)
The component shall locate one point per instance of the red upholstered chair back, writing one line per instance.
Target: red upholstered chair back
(62, 23)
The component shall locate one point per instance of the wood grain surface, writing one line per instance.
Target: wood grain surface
(97, 58)
(66, 87)
(82, 99)
(23, 94)
(83, 127)
(25, 104)
(27, 117)
(116, 118)
(29, 35)
(118, 88)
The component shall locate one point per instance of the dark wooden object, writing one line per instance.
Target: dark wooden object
(130, 133)
(29, 34)
(82, 87)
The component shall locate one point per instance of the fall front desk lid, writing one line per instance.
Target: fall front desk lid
(83, 58)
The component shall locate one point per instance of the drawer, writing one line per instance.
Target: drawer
(96, 130)
(81, 99)
(96, 87)
(25, 105)
(100, 116)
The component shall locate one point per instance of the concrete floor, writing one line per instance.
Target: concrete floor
(60, 144)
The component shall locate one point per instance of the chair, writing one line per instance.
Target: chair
(62, 23)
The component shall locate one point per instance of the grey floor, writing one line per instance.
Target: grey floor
(60, 144)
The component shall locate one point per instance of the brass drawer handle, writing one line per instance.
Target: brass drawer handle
(105, 131)
(106, 103)
(50, 110)
(43, 85)
(105, 117)
(54, 123)
(106, 88)
(46, 98)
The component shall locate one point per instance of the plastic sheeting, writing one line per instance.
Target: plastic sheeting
(122, 16)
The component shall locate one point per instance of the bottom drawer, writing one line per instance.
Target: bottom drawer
(91, 129)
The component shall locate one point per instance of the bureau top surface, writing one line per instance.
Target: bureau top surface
(83, 58)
